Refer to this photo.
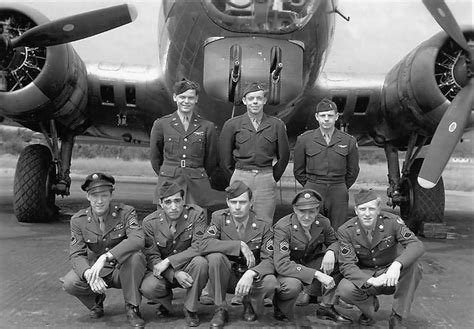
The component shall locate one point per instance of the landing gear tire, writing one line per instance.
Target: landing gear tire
(33, 198)
(422, 205)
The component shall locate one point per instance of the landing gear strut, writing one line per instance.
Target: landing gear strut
(42, 172)
(417, 204)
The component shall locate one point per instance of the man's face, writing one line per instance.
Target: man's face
(306, 217)
(173, 206)
(240, 206)
(368, 213)
(100, 201)
(255, 101)
(186, 101)
(327, 119)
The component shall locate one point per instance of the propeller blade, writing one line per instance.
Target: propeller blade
(441, 13)
(76, 27)
(447, 135)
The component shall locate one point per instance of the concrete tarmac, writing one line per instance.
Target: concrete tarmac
(34, 256)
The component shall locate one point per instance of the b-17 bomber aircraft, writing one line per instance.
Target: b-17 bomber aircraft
(424, 102)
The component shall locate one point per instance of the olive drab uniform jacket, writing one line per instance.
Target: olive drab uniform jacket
(179, 248)
(315, 160)
(241, 147)
(359, 259)
(222, 236)
(189, 157)
(122, 237)
(293, 249)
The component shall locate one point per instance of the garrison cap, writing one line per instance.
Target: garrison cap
(307, 199)
(364, 196)
(98, 182)
(168, 189)
(236, 189)
(326, 105)
(184, 85)
(253, 87)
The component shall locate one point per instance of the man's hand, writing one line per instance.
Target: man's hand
(328, 262)
(95, 269)
(184, 279)
(245, 283)
(378, 281)
(98, 285)
(326, 280)
(159, 268)
(393, 274)
(248, 254)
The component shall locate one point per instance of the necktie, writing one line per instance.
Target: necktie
(255, 123)
(102, 224)
(186, 122)
(369, 235)
(307, 233)
(326, 138)
(240, 230)
(173, 227)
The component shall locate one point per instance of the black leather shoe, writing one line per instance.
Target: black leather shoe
(395, 321)
(191, 318)
(302, 299)
(249, 313)
(330, 313)
(279, 315)
(162, 312)
(365, 320)
(97, 310)
(219, 319)
(134, 317)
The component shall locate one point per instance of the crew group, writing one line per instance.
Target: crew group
(241, 251)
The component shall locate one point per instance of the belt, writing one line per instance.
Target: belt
(256, 171)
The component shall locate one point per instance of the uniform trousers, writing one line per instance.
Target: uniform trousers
(263, 187)
(160, 290)
(403, 295)
(224, 280)
(126, 276)
(335, 201)
(287, 292)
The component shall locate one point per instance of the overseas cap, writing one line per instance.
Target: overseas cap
(364, 196)
(307, 199)
(254, 86)
(326, 105)
(184, 85)
(98, 182)
(169, 188)
(237, 188)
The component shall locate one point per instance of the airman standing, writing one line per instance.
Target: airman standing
(183, 147)
(248, 145)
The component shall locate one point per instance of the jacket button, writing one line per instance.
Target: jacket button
(185, 139)
(184, 147)
(374, 259)
(174, 242)
(88, 240)
(184, 155)
(106, 249)
(174, 251)
(104, 239)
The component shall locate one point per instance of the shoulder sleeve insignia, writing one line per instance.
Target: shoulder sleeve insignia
(269, 245)
(298, 268)
(212, 230)
(406, 233)
(400, 221)
(284, 247)
(73, 239)
(344, 248)
(132, 221)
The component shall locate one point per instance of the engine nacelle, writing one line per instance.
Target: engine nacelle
(419, 89)
(40, 84)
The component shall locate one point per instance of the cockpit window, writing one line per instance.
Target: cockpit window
(261, 16)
